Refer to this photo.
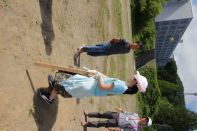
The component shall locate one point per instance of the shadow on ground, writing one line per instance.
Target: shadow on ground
(47, 25)
(44, 114)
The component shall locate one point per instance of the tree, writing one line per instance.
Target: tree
(177, 117)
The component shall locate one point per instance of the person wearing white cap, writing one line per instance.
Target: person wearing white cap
(81, 86)
(117, 121)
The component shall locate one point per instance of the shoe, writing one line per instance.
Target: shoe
(85, 113)
(46, 96)
(83, 123)
(78, 50)
(51, 81)
(76, 55)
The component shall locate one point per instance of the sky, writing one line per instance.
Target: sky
(186, 58)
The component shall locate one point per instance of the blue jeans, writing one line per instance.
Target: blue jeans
(97, 50)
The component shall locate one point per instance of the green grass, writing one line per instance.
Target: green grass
(103, 13)
(112, 70)
(105, 66)
(122, 72)
(91, 100)
(151, 64)
(118, 17)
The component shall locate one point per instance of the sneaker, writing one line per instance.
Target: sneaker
(51, 81)
(76, 55)
(78, 50)
(83, 123)
(46, 96)
(85, 113)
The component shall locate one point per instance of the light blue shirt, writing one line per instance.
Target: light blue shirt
(81, 86)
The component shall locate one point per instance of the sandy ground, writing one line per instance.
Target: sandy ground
(49, 31)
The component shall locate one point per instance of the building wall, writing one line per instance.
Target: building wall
(170, 27)
(176, 10)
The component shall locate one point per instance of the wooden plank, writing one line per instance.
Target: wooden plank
(66, 69)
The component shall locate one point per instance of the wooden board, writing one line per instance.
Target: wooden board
(66, 69)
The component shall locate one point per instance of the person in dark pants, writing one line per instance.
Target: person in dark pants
(114, 46)
(118, 120)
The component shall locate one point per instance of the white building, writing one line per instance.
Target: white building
(170, 27)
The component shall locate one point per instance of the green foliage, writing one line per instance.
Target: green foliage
(179, 118)
(171, 92)
(170, 84)
(143, 21)
(169, 72)
(172, 111)
(149, 101)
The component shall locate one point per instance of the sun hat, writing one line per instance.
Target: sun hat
(149, 122)
(142, 82)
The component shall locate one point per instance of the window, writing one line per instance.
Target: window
(184, 21)
(172, 28)
(164, 28)
(174, 22)
(165, 23)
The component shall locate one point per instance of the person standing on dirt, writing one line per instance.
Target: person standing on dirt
(81, 86)
(117, 121)
(112, 47)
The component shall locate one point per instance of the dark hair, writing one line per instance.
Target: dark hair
(140, 43)
(146, 119)
(131, 90)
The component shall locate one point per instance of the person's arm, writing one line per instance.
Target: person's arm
(104, 86)
(114, 129)
(115, 40)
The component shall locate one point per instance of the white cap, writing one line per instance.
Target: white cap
(142, 82)
(149, 122)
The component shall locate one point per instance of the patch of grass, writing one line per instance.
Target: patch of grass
(91, 100)
(118, 17)
(123, 100)
(101, 107)
(112, 69)
(103, 12)
(105, 65)
(122, 73)
(151, 64)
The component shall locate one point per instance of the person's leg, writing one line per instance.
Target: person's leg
(98, 53)
(97, 124)
(53, 94)
(59, 89)
(48, 97)
(108, 115)
(96, 50)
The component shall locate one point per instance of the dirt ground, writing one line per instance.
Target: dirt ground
(49, 31)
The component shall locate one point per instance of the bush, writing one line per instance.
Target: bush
(149, 101)
(143, 21)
